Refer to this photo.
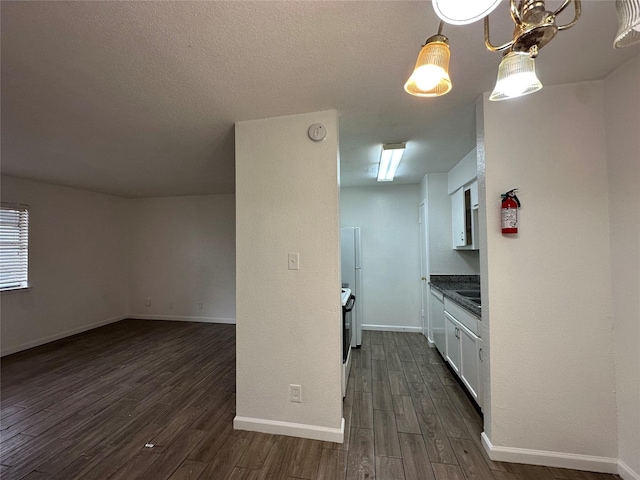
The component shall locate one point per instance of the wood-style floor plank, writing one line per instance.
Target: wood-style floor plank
(361, 461)
(386, 434)
(156, 400)
(389, 468)
(435, 439)
(414, 458)
(406, 418)
(362, 415)
(470, 459)
(447, 472)
(333, 465)
(382, 399)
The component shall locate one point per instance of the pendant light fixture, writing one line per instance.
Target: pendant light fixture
(430, 77)
(628, 23)
(535, 26)
(516, 77)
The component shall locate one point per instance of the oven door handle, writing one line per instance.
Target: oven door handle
(350, 303)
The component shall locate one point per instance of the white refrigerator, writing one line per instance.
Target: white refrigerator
(351, 257)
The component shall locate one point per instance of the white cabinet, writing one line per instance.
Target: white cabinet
(464, 202)
(470, 359)
(464, 347)
(453, 342)
(436, 314)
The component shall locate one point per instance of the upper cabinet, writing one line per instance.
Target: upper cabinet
(463, 190)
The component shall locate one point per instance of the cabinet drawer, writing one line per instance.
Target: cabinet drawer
(463, 316)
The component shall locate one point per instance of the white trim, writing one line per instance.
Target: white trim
(177, 318)
(300, 430)
(626, 473)
(573, 461)
(58, 336)
(392, 328)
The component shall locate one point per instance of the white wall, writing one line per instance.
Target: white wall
(289, 322)
(622, 125)
(183, 255)
(463, 172)
(77, 264)
(547, 291)
(443, 259)
(388, 217)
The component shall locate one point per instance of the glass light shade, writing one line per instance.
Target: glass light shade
(628, 23)
(462, 12)
(430, 77)
(516, 77)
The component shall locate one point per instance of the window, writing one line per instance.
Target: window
(14, 247)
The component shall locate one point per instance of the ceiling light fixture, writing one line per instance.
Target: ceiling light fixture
(516, 77)
(628, 23)
(389, 161)
(535, 26)
(462, 12)
(430, 77)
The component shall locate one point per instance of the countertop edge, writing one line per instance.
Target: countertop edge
(448, 288)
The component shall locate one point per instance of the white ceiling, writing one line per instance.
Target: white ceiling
(140, 98)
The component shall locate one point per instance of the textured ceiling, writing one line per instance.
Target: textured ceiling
(140, 98)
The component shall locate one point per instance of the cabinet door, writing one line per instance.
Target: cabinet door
(469, 361)
(437, 321)
(458, 219)
(452, 332)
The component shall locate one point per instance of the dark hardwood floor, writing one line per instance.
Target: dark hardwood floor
(155, 400)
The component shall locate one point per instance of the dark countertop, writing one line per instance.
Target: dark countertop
(448, 284)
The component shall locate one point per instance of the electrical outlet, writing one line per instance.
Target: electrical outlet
(170, 305)
(295, 393)
(147, 302)
(199, 305)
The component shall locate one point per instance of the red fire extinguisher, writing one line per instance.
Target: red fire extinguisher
(509, 212)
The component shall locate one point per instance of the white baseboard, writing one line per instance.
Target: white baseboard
(573, 461)
(626, 473)
(58, 336)
(176, 318)
(299, 430)
(392, 328)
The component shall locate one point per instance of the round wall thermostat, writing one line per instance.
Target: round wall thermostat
(317, 132)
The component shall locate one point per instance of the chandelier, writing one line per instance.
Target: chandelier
(535, 27)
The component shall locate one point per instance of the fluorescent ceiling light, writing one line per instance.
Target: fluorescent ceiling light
(461, 12)
(389, 161)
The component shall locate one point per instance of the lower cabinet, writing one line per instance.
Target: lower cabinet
(464, 353)
(470, 349)
(453, 342)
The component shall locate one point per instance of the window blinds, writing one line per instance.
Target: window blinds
(14, 245)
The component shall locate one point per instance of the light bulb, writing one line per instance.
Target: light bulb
(515, 85)
(428, 76)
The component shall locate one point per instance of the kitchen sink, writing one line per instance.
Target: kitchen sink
(469, 293)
